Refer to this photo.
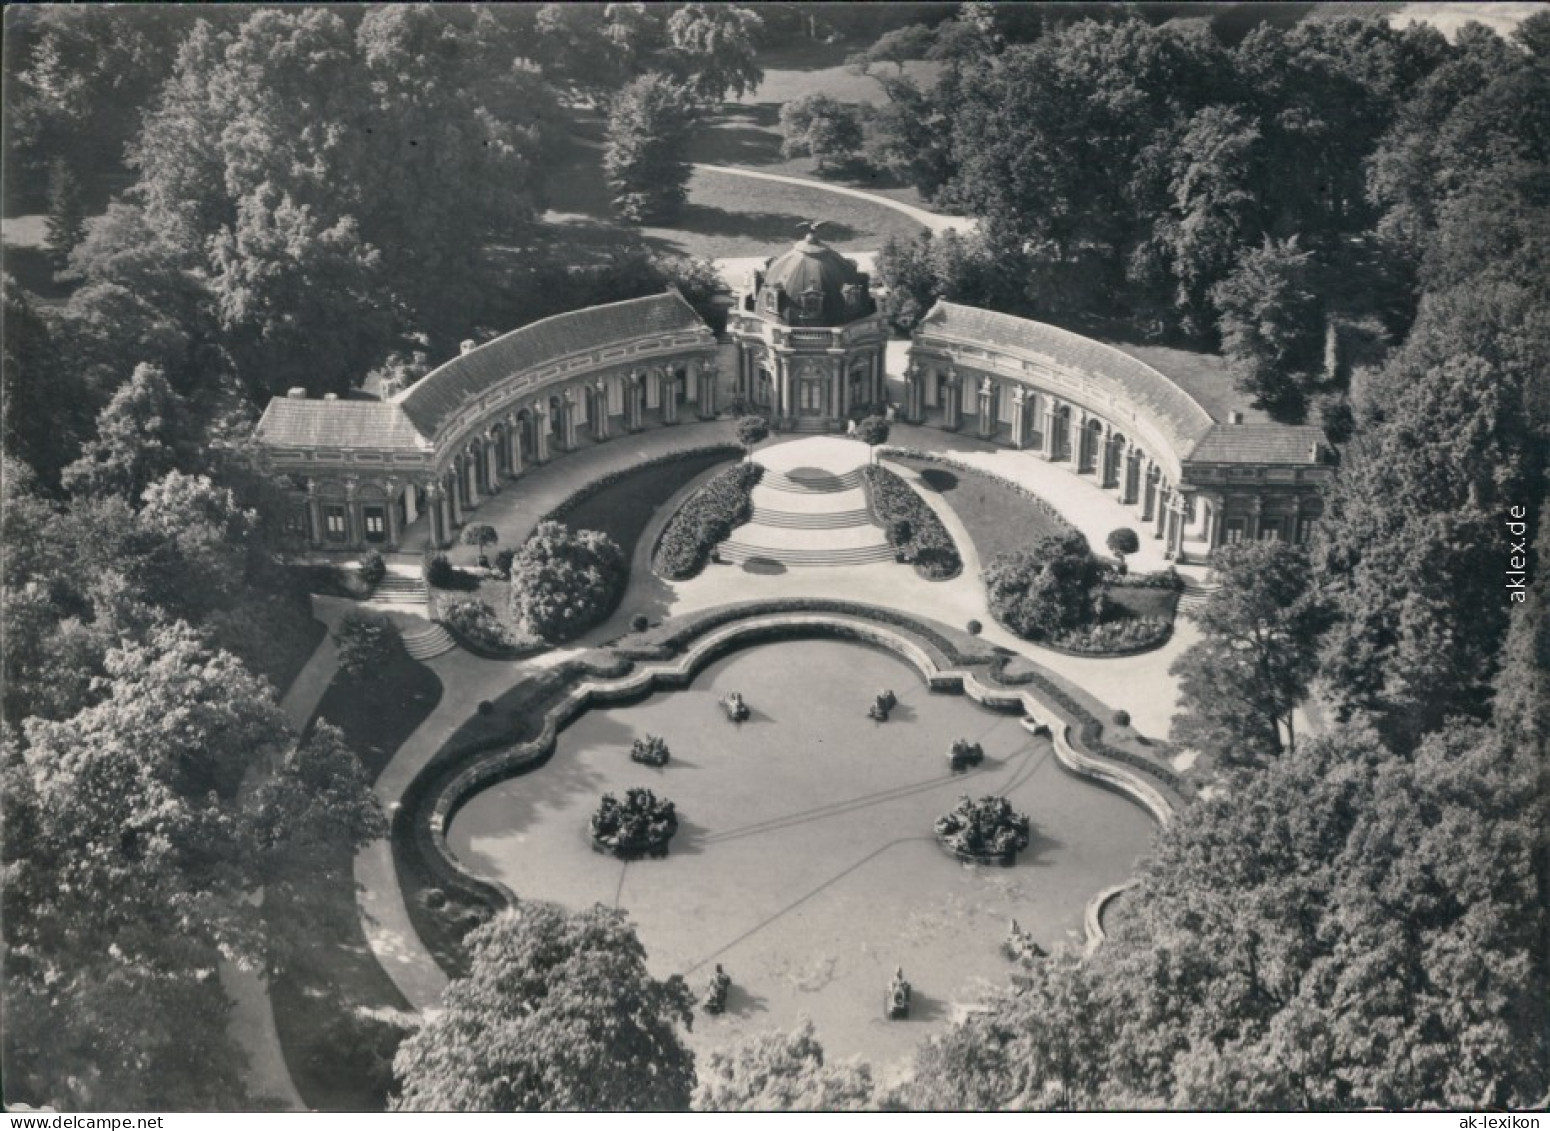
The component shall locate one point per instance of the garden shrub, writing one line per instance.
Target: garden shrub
(367, 643)
(1044, 592)
(904, 514)
(1123, 541)
(372, 568)
(1121, 718)
(503, 562)
(640, 622)
(974, 627)
(707, 517)
(565, 581)
(438, 571)
(477, 626)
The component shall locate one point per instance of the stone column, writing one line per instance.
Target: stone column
(914, 394)
(1213, 521)
(541, 433)
(438, 514)
(987, 408)
(1050, 450)
(352, 514)
(314, 517)
(1128, 490)
(454, 492)
(670, 398)
(1164, 502)
(1147, 493)
(1257, 505)
(492, 478)
(514, 445)
(471, 477)
(568, 419)
(1019, 417)
(634, 393)
(394, 489)
(952, 398)
(706, 402)
(599, 414)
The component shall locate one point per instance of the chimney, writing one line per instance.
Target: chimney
(468, 345)
(296, 393)
(1315, 452)
(1235, 418)
(330, 396)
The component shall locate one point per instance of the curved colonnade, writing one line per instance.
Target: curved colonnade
(362, 473)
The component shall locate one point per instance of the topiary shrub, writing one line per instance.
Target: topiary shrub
(439, 573)
(503, 562)
(372, 568)
(974, 627)
(1121, 718)
(1123, 541)
(565, 581)
(1044, 592)
(640, 622)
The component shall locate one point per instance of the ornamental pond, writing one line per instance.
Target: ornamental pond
(805, 861)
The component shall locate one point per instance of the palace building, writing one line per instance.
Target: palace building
(810, 350)
(1196, 481)
(810, 341)
(361, 473)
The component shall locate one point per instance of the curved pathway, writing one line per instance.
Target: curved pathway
(936, 222)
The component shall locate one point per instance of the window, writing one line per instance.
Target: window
(1304, 529)
(615, 396)
(1234, 532)
(335, 524)
(376, 524)
(812, 303)
(296, 522)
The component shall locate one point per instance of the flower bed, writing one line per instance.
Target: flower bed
(959, 465)
(1125, 636)
(476, 626)
(913, 527)
(649, 751)
(987, 831)
(706, 518)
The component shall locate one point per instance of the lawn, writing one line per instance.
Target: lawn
(1143, 603)
(338, 1053)
(727, 216)
(1000, 518)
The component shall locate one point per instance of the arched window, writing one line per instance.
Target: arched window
(812, 303)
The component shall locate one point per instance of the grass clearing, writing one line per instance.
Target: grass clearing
(1000, 518)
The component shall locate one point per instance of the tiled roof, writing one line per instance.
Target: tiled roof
(288, 423)
(1258, 443)
(442, 393)
(1177, 415)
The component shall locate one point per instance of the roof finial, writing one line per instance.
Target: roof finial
(811, 228)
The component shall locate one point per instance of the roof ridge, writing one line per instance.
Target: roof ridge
(668, 294)
(1072, 336)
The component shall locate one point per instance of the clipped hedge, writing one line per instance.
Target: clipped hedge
(904, 514)
(706, 518)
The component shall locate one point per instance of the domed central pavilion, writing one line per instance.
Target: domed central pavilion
(809, 339)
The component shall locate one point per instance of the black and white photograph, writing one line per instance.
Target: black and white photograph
(746, 557)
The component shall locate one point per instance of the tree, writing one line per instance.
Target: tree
(143, 433)
(367, 643)
(1240, 685)
(872, 431)
(66, 222)
(1045, 591)
(897, 46)
(1122, 542)
(1272, 327)
(564, 581)
(44, 412)
(558, 1013)
(751, 431)
(778, 1071)
(821, 127)
(1306, 938)
(714, 49)
(646, 160)
(480, 534)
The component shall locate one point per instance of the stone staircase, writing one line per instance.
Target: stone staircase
(1195, 594)
(399, 589)
(807, 516)
(427, 645)
(807, 424)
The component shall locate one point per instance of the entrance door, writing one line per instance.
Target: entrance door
(811, 397)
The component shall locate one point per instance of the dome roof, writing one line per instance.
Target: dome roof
(814, 285)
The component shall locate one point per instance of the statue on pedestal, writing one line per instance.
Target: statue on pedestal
(898, 1000)
(716, 992)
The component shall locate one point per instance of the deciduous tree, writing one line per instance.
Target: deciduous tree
(558, 1013)
(778, 1071)
(564, 581)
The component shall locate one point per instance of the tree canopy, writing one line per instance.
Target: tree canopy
(557, 1013)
